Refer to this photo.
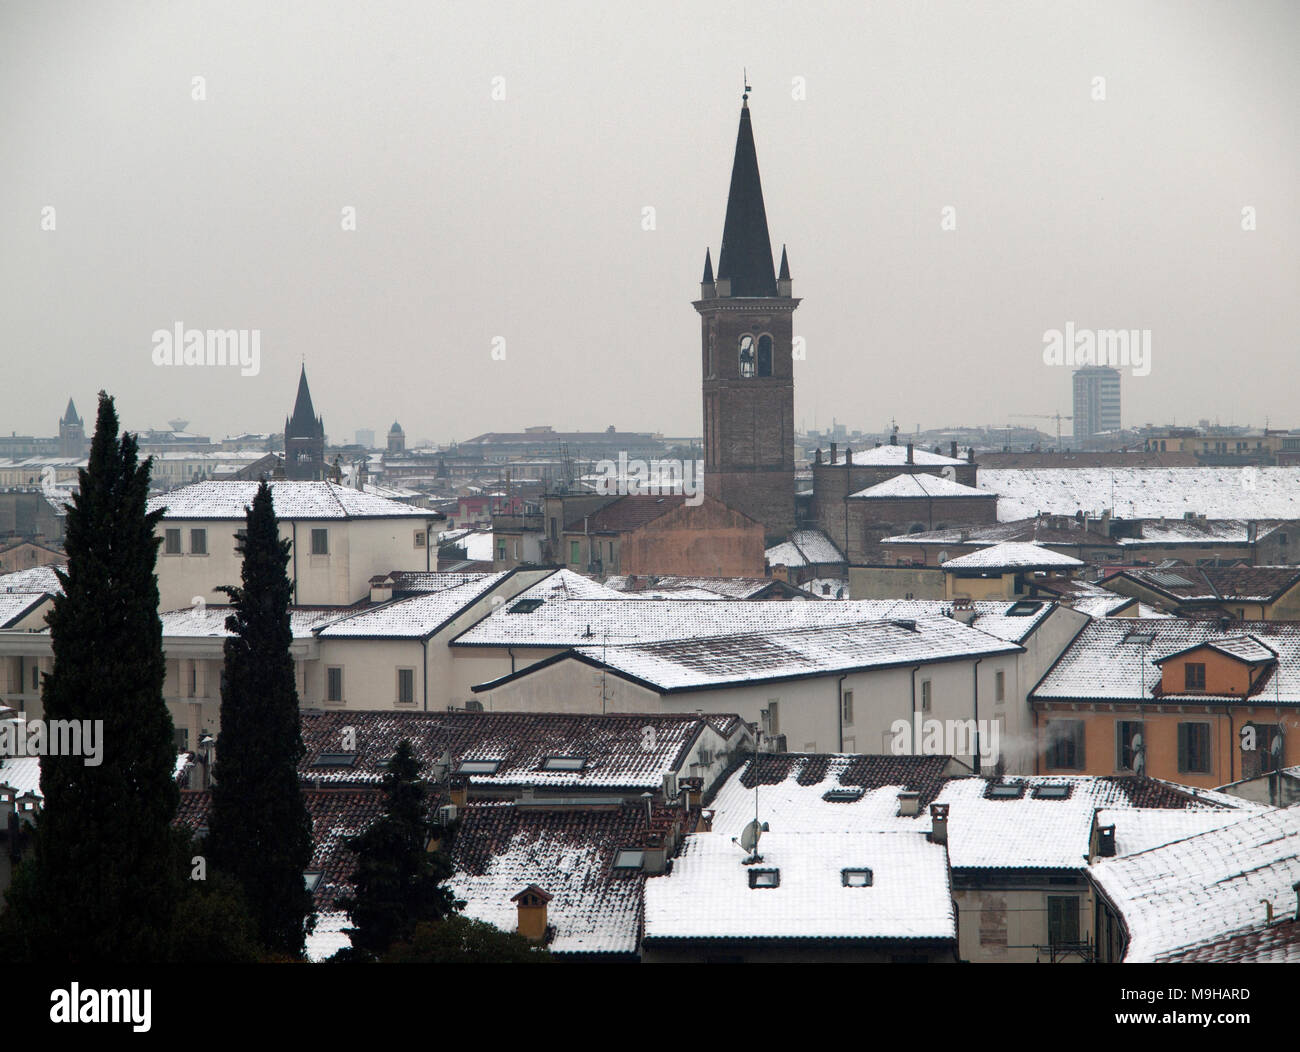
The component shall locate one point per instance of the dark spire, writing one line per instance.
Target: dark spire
(70, 414)
(303, 422)
(708, 269)
(746, 255)
(785, 267)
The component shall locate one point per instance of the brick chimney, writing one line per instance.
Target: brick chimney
(939, 823)
(911, 454)
(834, 449)
(953, 450)
(458, 790)
(531, 907)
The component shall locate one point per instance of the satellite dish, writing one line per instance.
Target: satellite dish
(1137, 743)
(749, 836)
(1276, 747)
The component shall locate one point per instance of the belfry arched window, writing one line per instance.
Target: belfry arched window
(746, 357)
(765, 355)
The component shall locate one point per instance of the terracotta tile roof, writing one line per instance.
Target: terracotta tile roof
(628, 513)
(1278, 943)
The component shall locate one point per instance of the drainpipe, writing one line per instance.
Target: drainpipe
(839, 693)
(1232, 742)
(511, 652)
(1035, 712)
(294, 526)
(424, 645)
(913, 734)
(976, 674)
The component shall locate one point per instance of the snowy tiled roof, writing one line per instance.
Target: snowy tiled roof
(35, 579)
(476, 543)
(1027, 832)
(417, 617)
(907, 486)
(14, 606)
(200, 622)
(596, 622)
(804, 548)
(1190, 584)
(1276, 943)
(329, 936)
(694, 664)
(891, 455)
(1147, 493)
(617, 751)
(708, 894)
(21, 773)
(292, 500)
(1143, 828)
(1011, 554)
(1205, 887)
(431, 581)
(565, 584)
(1109, 657)
(1052, 531)
(500, 849)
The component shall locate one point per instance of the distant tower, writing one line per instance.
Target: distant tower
(304, 439)
(72, 433)
(747, 317)
(1096, 401)
(396, 438)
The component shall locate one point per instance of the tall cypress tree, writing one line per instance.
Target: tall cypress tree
(398, 883)
(260, 830)
(104, 882)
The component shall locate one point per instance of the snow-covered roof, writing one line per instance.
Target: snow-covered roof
(14, 606)
(919, 486)
(1207, 886)
(210, 620)
(696, 664)
(21, 773)
(417, 617)
(984, 832)
(1012, 555)
(477, 543)
(1109, 658)
(804, 548)
(329, 936)
(1143, 828)
(215, 499)
(892, 455)
(35, 579)
(1146, 493)
(709, 895)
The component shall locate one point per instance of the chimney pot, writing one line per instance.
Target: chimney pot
(939, 823)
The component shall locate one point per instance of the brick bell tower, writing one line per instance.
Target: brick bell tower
(746, 318)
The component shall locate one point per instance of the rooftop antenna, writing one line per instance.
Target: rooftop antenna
(745, 97)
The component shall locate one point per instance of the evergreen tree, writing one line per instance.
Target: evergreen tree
(398, 883)
(459, 940)
(260, 830)
(104, 882)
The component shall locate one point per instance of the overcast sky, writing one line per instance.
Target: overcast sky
(523, 217)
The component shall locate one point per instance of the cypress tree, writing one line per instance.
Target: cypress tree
(398, 883)
(104, 882)
(260, 832)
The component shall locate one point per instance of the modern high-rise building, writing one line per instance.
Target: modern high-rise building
(746, 317)
(1096, 401)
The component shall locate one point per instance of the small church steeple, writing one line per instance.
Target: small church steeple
(304, 437)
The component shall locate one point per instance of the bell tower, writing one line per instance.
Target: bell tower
(746, 317)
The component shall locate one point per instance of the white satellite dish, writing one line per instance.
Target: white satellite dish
(1139, 755)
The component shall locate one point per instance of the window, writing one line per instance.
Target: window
(563, 763)
(772, 717)
(181, 739)
(1051, 792)
(334, 683)
(173, 542)
(36, 678)
(629, 858)
(848, 708)
(501, 551)
(406, 686)
(1194, 748)
(320, 542)
(1194, 675)
(1127, 732)
(198, 542)
(746, 357)
(478, 767)
(1065, 744)
(573, 552)
(764, 878)
(925, 695)
(311, 879)
(419, 538)
(1000, 685)
(194, 678)
(765, 355)
(855, 878)
(241, 535)
(1062, 919)
(1006, 791)
(1266, 755)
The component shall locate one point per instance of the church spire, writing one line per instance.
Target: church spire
(303, 422)
(746, 255)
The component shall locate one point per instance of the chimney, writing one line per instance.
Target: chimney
(381, 589)
(818, 458)
(970, 455)
(458, 790)
(893, 438)
(655, 856)
(834, 449)
(694, 791)
(1252, 532)
(911, 456)
(1106, 841)
(953, 450)
(939, 823)
(909, 803)
(531, 906)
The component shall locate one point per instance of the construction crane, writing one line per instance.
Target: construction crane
(1044, 416)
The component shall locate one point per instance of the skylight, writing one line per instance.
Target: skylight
(564, 763)
(843, 795)
(336, 759)
(764, 878)
(629, 858)
(478, 766)
(1051, 792)
(1024, 608)
(312, 879)
(525, 606)
(855, 878)
(1006, 791)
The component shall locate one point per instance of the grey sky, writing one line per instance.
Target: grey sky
(522, 218)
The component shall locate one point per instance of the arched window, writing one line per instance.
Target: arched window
(746, 357)
(765, 355)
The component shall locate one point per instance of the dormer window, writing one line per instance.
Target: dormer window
(764, 878)
(746, 357)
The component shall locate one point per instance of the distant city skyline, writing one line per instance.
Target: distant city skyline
(532, 190)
